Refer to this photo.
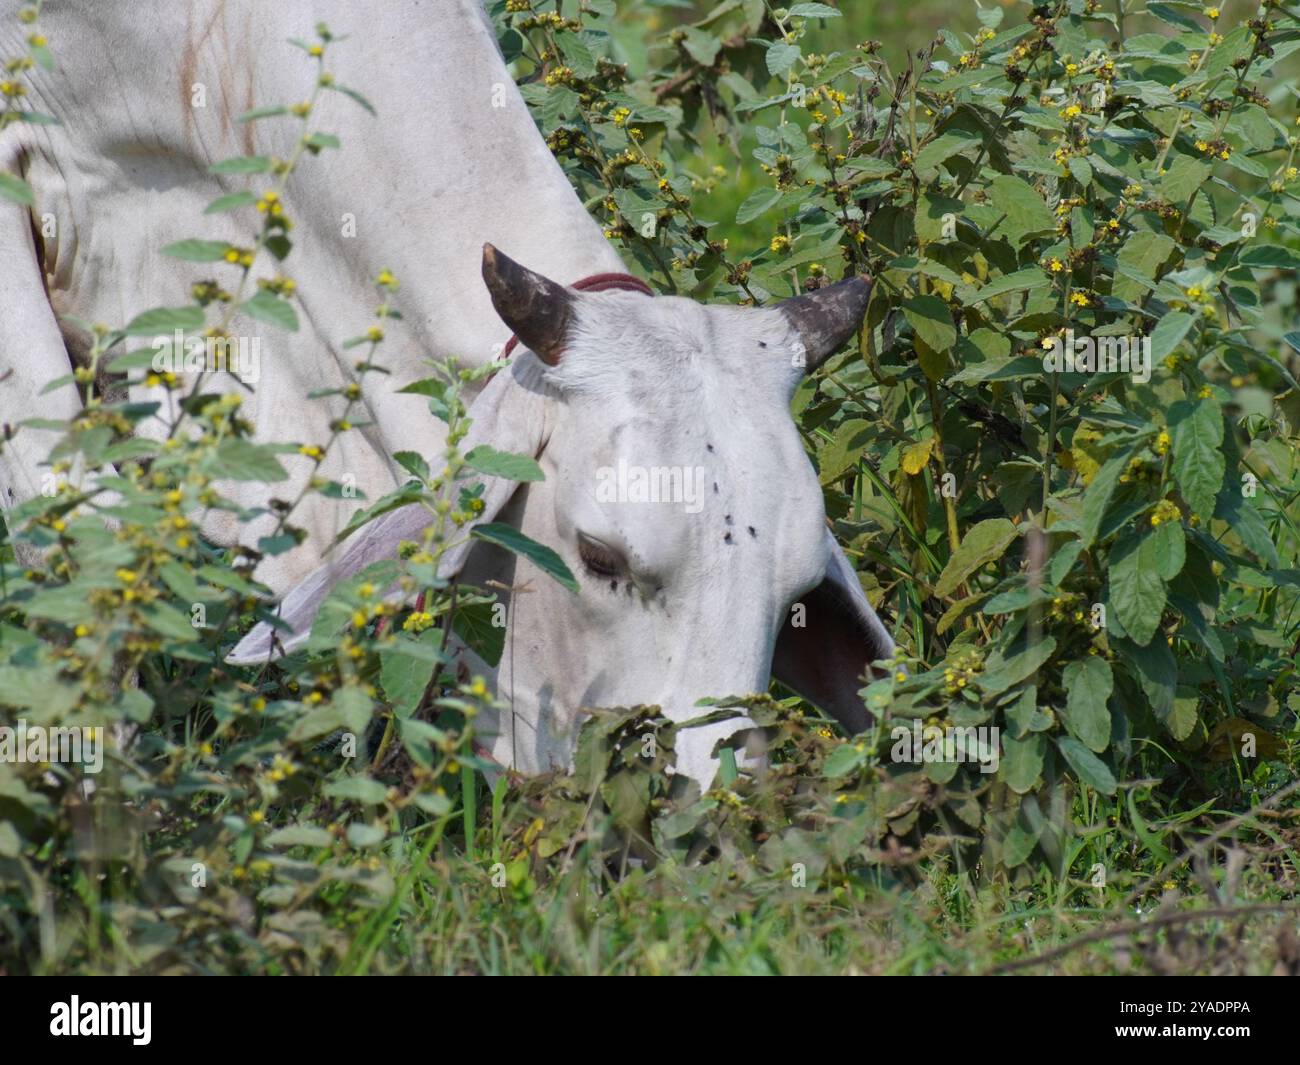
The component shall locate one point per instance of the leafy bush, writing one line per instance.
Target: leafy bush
(1101, 567)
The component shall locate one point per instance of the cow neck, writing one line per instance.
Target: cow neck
(597, 283)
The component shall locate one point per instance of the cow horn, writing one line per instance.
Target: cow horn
(535, 307)
(827, 317)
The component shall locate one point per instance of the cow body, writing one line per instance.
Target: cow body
(440, 171)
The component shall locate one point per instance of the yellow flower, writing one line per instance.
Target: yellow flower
(1211, 12)
(779, 243)
(127, 576)
(1079, 299)
(311, 451)
(1056, 266)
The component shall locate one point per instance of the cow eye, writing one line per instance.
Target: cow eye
(600, 559)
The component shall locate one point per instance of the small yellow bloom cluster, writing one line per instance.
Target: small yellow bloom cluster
(1080, 299)
(962, 670)
(1067, 608)
(418, 621)
(1166, 511)
(280, 285)
(282, 767)
(239, 256)
(270, 204)
(1139, 471)
(1219, 149)
(780, 243)
(1162, 443)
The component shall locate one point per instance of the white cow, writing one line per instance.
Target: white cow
(678, 600)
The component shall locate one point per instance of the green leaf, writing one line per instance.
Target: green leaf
(350, 709)
(198, 251)
(1136, 590)
(505, 464)
(1171, 549)
(475, 624)
(300, 835)
(813, 11)
(232, 202)
(1004, 672)
(1142, 255)
(1196, 431)
(405, 676)
(983, 543)
(262, 112)
(538, 554)
(756, 203)
(1157, 674)
(703, 47)
(1096, 497)
(942, 148)
(843, 759)
(413, 463)
(1169, 332)
(266, 306)
(242, 460)
(781, 57)
(355, 96)
(1087, 766)
(1024, 207)
(1022, 762)
(364, 790)
(1031, 277)
(932, 322)
(1185, 176)
(1088, 683)
(162, 321)
(242, 164)
(1270, 257)
(16, 190)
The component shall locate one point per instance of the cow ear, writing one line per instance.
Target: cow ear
(827, 317)
(825, 651)
(509, 415)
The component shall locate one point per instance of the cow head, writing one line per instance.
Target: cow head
(678, 492)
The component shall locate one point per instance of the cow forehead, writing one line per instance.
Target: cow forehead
(675, 356)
